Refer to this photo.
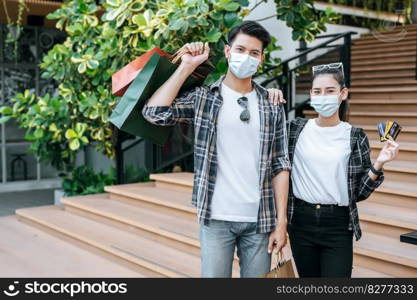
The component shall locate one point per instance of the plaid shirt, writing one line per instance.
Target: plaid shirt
(360, 185)
(200, 108)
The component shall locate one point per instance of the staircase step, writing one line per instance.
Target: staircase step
(382, 45)
(396, 193)
(164, 197)
(396, 105)
(145, 218)
(404, 171)
(389, 220)
(408, 151)
(389, 38)
(361, 57)
(401, 95)
(370, 83)
(409, 28)
(148, 221)
(360, 272)
(183, 180)
(26, 251)
(408, 133)
(396, 89)
(386, 254)
(383, 61)
(387, 75)
(373, 118)
(122, 245)
(388, 67)
(377, 51)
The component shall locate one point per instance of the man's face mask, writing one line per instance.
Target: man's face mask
(243, 65)
(325, 105)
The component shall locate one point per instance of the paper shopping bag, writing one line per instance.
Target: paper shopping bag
(127, 115)
(124, 77)
(283, 268)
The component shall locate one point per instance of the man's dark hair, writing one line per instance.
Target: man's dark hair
(251, 28)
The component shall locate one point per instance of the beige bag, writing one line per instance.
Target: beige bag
(284, 268)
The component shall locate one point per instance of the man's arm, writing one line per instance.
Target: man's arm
(164, 108)
(280, 167)
(167, 92)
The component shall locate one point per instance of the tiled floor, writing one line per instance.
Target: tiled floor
(11, 201)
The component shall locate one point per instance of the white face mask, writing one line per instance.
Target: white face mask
(243, 65)
(325, 105)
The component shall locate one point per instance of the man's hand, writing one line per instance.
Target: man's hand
(276, 96)
(196, 54)
(278, 238)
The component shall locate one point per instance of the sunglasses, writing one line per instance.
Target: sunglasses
(245, 115)
(332, 66)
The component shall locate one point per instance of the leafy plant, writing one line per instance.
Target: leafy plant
(305, 21)
(15, 27)
(84, 181)
(99, 44)
(133, 175)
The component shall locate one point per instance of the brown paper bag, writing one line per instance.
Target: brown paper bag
(283, 268)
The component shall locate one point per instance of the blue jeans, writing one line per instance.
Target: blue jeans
(218, 242)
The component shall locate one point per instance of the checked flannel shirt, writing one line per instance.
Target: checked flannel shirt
(200, 107)
(360, 185)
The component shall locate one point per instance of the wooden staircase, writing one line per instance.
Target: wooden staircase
(384, 87)
(150, 228)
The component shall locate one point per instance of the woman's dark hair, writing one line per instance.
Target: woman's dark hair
(251, 28)
(340, 78)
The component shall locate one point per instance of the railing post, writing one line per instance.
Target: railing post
(285, 87)
(346, 59)
(119, 157)
(303, 47)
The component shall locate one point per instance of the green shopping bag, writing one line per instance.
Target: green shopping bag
(127, 115)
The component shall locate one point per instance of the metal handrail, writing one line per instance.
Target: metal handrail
(286, 61)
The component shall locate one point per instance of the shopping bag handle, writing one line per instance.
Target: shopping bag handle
(180, 52)
(279, 259)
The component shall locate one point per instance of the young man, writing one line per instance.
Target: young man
(240, 155)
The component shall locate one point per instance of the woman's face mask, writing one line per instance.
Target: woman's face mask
(325, 105)
(243, 65)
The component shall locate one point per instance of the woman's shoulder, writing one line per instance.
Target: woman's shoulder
(298, 121)
(293, 126)
(359, 134)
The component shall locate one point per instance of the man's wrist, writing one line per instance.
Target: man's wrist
(187, 67)
(282, 222)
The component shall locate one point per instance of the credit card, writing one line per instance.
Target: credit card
(389, 128)
(381, 131)
(395, 130)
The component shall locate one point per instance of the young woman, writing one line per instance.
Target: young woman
(331, 171)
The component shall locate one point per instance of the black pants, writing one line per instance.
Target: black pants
(321, 243)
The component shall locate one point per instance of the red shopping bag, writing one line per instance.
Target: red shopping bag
(124, 77)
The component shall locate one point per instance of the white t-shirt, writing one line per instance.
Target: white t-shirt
(236, 193)
(319, 173)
